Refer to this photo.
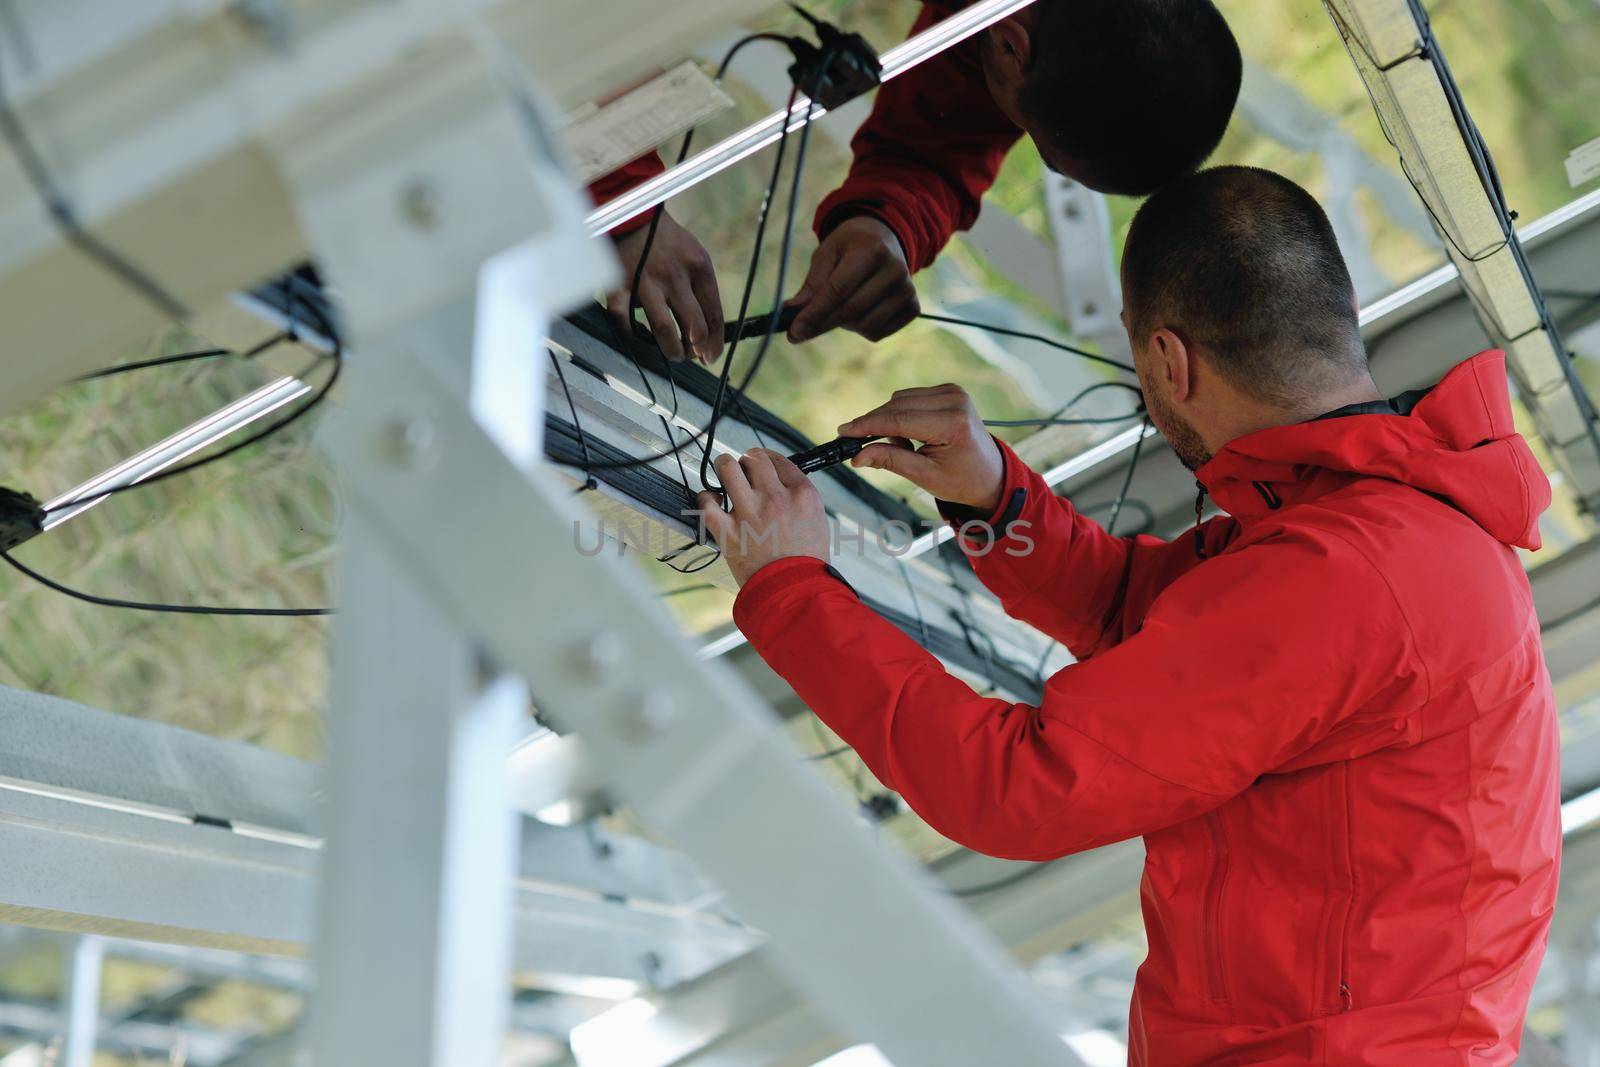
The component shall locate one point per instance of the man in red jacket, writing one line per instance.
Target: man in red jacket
(1326, 710)
(1121, 95)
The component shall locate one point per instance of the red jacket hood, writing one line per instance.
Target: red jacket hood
(1459, 443)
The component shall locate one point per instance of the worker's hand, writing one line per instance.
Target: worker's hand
(678, 283)
(859, 280)
(776, 513)
(958, 461)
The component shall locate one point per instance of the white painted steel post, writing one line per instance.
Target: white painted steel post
(81, 1001)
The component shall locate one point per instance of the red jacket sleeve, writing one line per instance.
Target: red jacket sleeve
(608, 187)
(1233, 673)
(1061, 572)
(928, 152)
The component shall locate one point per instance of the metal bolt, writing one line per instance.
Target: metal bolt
(1071, 210)
(408, 441)
(1090, 309)
(419, 204)
(599, 655)
(637, 721)
(268, 19)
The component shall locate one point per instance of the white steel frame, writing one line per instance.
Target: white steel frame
(449, 552)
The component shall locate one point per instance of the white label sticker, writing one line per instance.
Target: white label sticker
(601, 139)
(1583, 164)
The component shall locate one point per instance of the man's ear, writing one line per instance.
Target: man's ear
(1013, 51)
(1174, 365)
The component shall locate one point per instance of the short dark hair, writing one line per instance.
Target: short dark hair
(1243, 262)
(1136, 92)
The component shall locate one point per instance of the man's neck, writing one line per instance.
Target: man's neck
(1256, 416)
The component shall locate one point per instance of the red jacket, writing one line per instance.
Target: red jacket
(608, 187)
(928, 152)
(922, 161)
(1335, 732)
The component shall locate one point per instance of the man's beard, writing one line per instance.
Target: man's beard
(1185, 440)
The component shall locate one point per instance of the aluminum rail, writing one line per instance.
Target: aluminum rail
(222, 423)
(163, 454)
(753, 138)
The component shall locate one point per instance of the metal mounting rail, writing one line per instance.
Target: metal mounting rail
(753, 138)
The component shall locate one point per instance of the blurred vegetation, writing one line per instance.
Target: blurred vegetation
(256, 529)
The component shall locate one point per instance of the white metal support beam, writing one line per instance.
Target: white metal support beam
(747, 1015)
(81, 1010)
(413, 940)
(160, 119)
(100, 814)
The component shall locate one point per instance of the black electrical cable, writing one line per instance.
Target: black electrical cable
(337, 357)
(642, 461)
(697, 568)
(175, 609)
(783, 266)
(1489, 174)
(1428, 50)
(650, 239)
(1064, 422)
(1576, 613)
(1055, 419)
(583, 438)
(683, 153)
(699, 587)
(727, 367)
(1111, 523)
(160, 361)
(1127, 479)
(1146, 512)
(187, 357)
(190, 609)
(1026, 336)
(783, 271)
(66, 220)
(999, 883)
(749, 285)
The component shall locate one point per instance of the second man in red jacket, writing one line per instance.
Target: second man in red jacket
(1121, 95)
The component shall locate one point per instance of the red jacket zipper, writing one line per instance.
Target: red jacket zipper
(1216, 974)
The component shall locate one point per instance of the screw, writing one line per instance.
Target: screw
(267, 19)
(599, 655)
(419, 204)
(639, 720)
(1090, 309)
(1072, 211)
(653, 965)
(408, 440)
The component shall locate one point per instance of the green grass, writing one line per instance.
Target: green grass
(256, 529)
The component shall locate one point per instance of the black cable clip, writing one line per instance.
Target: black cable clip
(843, 68)
(756, 325)
(21, 518)
(831, 454)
